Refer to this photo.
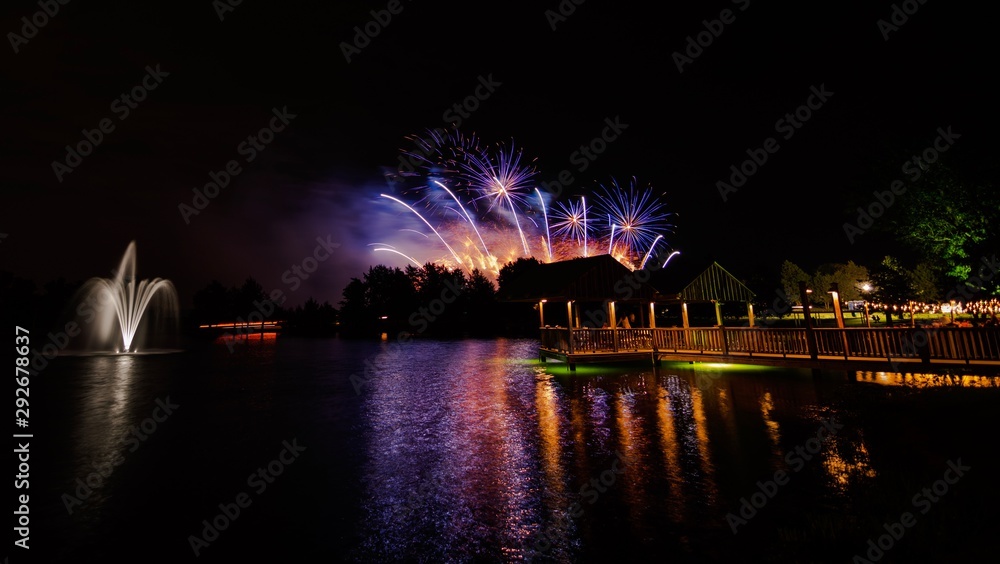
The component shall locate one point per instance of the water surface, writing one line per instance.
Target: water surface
(474, 451)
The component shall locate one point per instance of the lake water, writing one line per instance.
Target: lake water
(474, 451)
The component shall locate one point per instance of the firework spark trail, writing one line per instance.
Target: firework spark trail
(548, 236)
(611, 242)
(452, 251)
(407, 257)
(473, 223)
(641, 266)
(670, 257)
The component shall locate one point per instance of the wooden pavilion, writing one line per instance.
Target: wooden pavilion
(690, 283)
(596, 290)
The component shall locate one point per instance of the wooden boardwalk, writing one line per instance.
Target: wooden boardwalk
(888, 349)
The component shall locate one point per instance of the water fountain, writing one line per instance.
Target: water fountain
(123, 301)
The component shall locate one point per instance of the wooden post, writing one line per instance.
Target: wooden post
(569, 324)
(652, 331)
(718, 312)
(614, 326)
(837, 311)
(686, 324)
(541, 313)
(750, 314)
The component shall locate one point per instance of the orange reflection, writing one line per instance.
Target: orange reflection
(773, 430)
(266, 336)
(844, 472)
(917, 380)
(705, 454)
(548, 428)
(633, 444)
(671, 453)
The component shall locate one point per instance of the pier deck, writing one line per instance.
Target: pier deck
(890, 349)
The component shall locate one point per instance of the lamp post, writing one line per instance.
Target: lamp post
(807, 319)
(866, 289)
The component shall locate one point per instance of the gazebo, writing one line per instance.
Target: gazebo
(599, 281)
(599, 291)
(690, 283)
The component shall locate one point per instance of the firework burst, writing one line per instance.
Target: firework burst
(569, 221)
(482, 210)
(501, 180)
(635, 219)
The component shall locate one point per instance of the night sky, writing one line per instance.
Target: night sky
(218, 82)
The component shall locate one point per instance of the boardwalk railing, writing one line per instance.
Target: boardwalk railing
(927, 344)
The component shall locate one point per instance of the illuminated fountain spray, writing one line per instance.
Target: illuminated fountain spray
(126, 301)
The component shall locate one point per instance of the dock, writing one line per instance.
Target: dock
(886, 348)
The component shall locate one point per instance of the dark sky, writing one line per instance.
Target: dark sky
(321, 175)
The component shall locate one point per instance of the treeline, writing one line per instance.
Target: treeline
(250, 303)
(890, 283)
(38, 308)
(433, 301)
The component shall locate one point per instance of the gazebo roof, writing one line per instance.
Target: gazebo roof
(694, 282)
(591, 279)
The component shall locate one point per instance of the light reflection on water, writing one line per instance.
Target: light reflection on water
(485, 452)
(916, 380)
(474, 451)
(101, 435)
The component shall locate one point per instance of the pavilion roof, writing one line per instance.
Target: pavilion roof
(592, 279)
(689, 281)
